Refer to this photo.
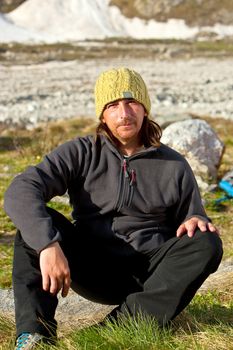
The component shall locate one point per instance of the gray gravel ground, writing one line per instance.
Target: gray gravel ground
(31, 94)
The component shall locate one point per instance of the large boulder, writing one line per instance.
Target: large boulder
(71, 311)
(199, 144)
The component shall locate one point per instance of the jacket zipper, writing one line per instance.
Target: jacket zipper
(126, 186)
(131, 186)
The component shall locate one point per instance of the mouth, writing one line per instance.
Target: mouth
(127, 123)
(127, 126)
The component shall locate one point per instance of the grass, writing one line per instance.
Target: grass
(17, 53)
(205, 324)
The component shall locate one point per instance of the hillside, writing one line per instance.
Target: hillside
(9, 5)
(194, 12)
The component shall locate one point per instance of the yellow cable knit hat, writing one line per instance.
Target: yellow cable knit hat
(116, 84)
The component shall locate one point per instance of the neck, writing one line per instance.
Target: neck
(129, 149)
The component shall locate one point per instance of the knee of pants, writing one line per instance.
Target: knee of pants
(210, 246)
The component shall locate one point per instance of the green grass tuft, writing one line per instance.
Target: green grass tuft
(205, 325)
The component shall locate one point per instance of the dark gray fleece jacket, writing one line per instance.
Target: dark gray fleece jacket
(142, 198)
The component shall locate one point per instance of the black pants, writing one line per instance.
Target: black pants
(160, 284)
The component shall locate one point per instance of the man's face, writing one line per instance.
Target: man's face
(124, 119)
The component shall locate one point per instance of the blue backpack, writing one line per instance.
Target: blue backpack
(226, 184)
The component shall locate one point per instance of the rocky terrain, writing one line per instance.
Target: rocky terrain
(9, 5)
(194, 12)
(36, 93)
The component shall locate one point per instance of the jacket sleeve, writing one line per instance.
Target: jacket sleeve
(190, 202)
(26, 197)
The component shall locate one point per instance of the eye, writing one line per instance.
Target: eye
(111, 105)
(133, 102)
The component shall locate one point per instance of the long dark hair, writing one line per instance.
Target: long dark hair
(150, 133)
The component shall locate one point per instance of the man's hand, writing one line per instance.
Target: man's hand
(192, 224)
(55, 270)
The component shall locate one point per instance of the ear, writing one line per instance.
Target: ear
(145, 112)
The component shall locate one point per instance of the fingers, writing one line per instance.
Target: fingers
(66, 287)
(55, 270)
(212, 228)
(181, 230)
(202, 225)
(189, 227)
(186, 228)
(57, 285)
(45, 282)
(54, 285)
(207, 226)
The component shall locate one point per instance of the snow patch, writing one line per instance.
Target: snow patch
(78, 20)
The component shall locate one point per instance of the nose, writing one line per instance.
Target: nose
(123, 109)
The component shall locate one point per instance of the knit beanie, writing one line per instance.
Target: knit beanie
(116, 84)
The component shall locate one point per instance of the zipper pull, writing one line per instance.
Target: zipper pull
(125, 168)
(132, 177)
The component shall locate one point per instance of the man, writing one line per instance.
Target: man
(140, 239)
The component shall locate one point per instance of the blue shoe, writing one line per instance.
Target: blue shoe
(27, 341)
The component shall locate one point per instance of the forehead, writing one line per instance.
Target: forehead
(123, 99)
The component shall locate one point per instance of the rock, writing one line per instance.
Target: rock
(199, 144)
(6, 302)
(166, 119)
(221, 280)
(72, 310)
(9, 5)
